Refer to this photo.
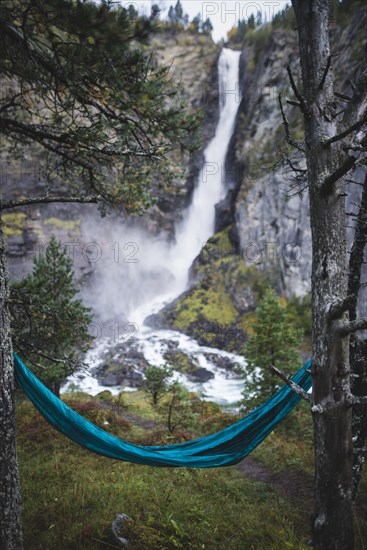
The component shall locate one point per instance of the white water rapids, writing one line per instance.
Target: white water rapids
(175, 260)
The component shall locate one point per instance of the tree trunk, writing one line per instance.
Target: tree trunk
(333, 518)
(358, 354)
(10, 516)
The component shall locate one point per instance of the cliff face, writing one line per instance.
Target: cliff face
(193, 60)
(263, 226)
(269, 211)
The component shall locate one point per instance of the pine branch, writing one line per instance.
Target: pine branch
(294, 387)
(47, 199)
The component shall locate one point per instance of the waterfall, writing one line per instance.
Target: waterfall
(198, 221)
(198, 224)
(168, 265)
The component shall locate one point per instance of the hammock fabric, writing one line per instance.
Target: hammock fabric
(224, 448)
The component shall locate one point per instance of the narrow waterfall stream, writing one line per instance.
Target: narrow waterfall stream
(175, 260)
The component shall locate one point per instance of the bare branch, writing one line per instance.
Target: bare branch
(357, 253)
(295, 103)
(294, 387)
(338, 309)
(51, 358)
(295, 168)
(327, 186)
(298, 95)
(356, 126)
(47, 199)
(327, 68)
(289, 138)
(352, 326)
(342, 96)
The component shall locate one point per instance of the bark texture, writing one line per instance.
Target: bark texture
(333, 517)
(10, 512)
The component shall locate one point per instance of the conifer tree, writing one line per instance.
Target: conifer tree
(156, 381)
(207, 26)
(49, 324)
(274, 342)
(196, 23)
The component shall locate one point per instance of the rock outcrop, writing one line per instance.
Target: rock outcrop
(271, 210)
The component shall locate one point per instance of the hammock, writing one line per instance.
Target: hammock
(224, 448)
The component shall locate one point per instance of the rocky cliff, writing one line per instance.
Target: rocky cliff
(263, 227)
(271, 208)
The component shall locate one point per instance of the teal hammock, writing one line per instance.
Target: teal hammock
(224, 448)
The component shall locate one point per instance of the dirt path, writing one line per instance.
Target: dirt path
(139, 421)
(130, 417)
(291, 485)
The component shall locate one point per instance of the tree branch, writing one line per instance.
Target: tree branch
(356, 126)
(327, 68)
(337, 310)
(295, 103)
(342, 96)
(327, 186)
(356, 399)
(299, 96)
(289, 138)
(46, 199)
(294, 387)
(352, 326)
(357, 253)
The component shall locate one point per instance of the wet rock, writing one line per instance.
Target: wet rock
(224, 212)
(221, 362)
(188, 365)
(201, 375)
(123, 365)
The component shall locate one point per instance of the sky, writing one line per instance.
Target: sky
(223, 14)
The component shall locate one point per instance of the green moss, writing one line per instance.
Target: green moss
(180, 361)
(57, 223)
(13, 223)
(212, 304)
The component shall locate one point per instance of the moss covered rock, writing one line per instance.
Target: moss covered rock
(224, 291)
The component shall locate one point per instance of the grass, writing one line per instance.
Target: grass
(71, 496)
(290, 446)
